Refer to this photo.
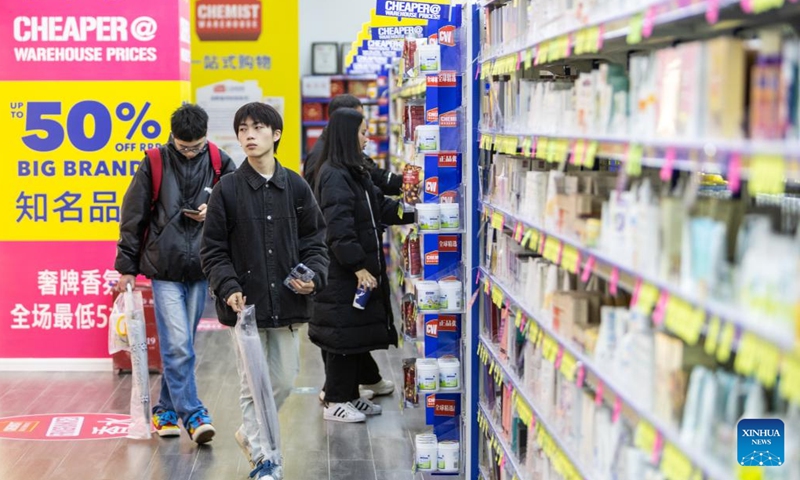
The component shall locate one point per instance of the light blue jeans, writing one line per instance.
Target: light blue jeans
(178, 307)
(282, 349)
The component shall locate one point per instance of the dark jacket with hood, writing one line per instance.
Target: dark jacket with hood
(354, 208)
(256, 232)
(388, 182)
(158, 240)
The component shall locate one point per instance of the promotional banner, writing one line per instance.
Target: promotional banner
(246, 51)
(86, 88)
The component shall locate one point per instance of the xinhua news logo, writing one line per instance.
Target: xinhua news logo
(760, 442)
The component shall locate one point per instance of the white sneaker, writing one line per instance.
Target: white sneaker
(343, 412)
(366, 407)
(362, 392)
(244, 445)
(384, 387)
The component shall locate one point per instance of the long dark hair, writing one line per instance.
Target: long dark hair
(342, 148)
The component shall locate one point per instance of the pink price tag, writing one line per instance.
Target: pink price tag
(559, 357)
(712, 11)
(534, 142)
(601, 34)
(598, 394)
(588, 269)
(635, 294)
(669, 163)
(613, 281)
(477, 71)
(661, 309)
(523, 323)
(649, 22)
(747, 6)
(474, 297)
(503, 462)
(519, 60)
(578, 261)
(560, 252)
(581, 377)
(541, 244)
(572, 160)
(617, 410)
(735, 172)
(658, 445)
(478, 277)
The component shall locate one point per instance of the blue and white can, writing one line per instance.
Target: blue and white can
(361, 298)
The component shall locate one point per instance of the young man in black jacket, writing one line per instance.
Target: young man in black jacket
(160, 239)
(386, 181)
(262, 222)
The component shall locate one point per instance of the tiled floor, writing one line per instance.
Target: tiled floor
(313, 449)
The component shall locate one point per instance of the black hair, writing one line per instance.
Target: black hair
(189, 122)
(341, 145)
(261, 113)
(345, 100)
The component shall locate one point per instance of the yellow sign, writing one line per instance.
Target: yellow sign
(231, 68)
(74, 149)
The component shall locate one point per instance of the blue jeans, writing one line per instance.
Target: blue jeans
(178, 309)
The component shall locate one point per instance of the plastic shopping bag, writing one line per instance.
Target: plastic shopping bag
(126, 331)
(257, 373)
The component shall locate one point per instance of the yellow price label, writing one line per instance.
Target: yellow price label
(527, 144)
(526, 238)
(726, 343)
(645, 436)
(648, 296)
(633, 162)
(527, 56)
(591, 155)
(768, 363)
(497, 296)
(486, 287)
(745, 363)
(712, 336)
(551, 249)
(767, 174)
(570, 259)
(498, 221)
(568, 366)
(518, 318)
(674, 464)
(635, 28)
(761, 6)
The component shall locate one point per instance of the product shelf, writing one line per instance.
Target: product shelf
(614, 28)
(709, 468)
(713, 154)
(733, 315)
(492, 428)
(542, 420)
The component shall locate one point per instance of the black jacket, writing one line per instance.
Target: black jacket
(388, 182)
(256, 232)
(353, 242)
(161, 242)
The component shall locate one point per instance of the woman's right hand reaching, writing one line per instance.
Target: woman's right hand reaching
(366, 280)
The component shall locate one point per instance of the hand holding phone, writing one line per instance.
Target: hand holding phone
(190, 211)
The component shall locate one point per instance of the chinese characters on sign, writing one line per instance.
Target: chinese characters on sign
(68, 207)
(237, 62)
(63, 315)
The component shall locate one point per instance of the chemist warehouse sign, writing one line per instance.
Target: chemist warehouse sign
(107, 40)
(424, 10)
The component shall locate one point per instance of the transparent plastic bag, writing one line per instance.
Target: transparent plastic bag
(126, 331)
(256, 371)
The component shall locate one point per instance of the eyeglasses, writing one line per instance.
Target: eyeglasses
(195, 149)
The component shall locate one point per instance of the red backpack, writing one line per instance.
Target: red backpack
(157, 167)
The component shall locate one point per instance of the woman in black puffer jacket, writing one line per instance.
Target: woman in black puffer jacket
(353, 209)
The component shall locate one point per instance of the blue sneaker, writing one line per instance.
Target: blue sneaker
(200, 428)
(166, 423)
(267, 471)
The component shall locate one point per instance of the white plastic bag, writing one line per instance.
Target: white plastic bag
(257, 374)
(126, 331)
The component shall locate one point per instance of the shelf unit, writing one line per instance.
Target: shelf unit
(748, 342)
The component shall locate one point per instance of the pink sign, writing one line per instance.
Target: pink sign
(56, 299)
(95, 40)
(65, 426)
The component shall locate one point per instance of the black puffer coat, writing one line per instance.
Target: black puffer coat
(170, 250)
(354, 209)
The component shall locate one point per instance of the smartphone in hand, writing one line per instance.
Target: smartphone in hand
(190, 211)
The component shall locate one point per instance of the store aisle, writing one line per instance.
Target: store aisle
(313, 449)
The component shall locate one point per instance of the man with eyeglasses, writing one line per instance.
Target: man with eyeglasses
(160, 233)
